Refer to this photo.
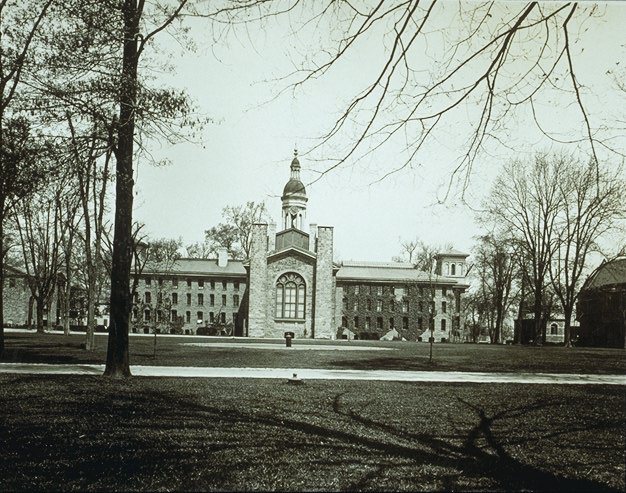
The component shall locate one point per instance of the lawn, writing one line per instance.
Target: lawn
(85, 433)
(89, 433)
(176, 351)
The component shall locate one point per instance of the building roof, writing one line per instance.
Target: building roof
(607, 274)
(196, 266)
(453, 253)
(388, 271)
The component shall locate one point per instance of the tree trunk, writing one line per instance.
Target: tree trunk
(117, 364)
(567, 331)
(39, 308)
(90, 343)
(1, 275)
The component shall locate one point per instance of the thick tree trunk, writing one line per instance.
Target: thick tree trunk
(117, 364)
(39, 308)
(567, 334)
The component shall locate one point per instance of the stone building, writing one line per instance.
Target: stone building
(290, 283)
(601, 306)
(189, 294)
(16, 298)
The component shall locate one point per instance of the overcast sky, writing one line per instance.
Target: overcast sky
(246, 151)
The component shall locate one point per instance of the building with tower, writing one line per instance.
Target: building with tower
(291, 283)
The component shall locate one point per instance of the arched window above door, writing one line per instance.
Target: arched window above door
(290, 296)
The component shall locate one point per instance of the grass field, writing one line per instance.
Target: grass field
(88, 433)
(175, 351)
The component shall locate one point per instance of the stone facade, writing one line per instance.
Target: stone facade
(15, 298)
(192, 293)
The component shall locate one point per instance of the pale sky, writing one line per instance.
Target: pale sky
(246, 152)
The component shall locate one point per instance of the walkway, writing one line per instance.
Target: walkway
(323, 374)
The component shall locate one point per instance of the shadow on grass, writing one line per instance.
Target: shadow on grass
(130, 438)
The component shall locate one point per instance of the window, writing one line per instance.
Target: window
(160, 297)
(236, 286)
(212, 284)
(290, 296)
(369, 305)
(174, 282)
(235, 317)
(356, 322)
(367, 323)
(174, 315)
(188, 316)
(443, 325)
(224, 285)
(223, 317)
(443, 307)
(148, 281)
(189, 298)
(159, 316)
(12, 282)
(379, 290)
(146, 315)
(444, 291)
(223, 300)
(420, 323)
(174, 298)
(188, 283)
(211, 300)
(345, 303)
(554, 329)
(235, 300)
(405, 323)
(200, 299)
(392, 290)
(200, 317)
(379, 305)
(148, 297)
(391, 324)
(453, 269)
(160, 282)
(379, 323)
(405, 306)
(211, 317)
(200, 284)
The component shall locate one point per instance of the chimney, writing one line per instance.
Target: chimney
(312, 237)
(222, 257)
(271, 237)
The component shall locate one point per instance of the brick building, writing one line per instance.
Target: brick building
(290, 283)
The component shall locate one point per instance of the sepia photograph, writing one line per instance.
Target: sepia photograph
(312, 245)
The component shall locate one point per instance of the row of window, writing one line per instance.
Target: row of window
(147, 314)
(367, 323)
(199, 299)
(379, 290)
(200, 282)
(380, 305)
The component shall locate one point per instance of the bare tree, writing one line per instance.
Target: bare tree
(525, 203)
(477, 66)
(593, 201)
(495, 268)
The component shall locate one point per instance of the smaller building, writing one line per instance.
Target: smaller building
(191, 294)
(601, 307)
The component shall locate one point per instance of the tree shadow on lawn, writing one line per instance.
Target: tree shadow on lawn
(164, 439)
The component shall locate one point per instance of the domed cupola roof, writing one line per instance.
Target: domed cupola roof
(294, 186)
